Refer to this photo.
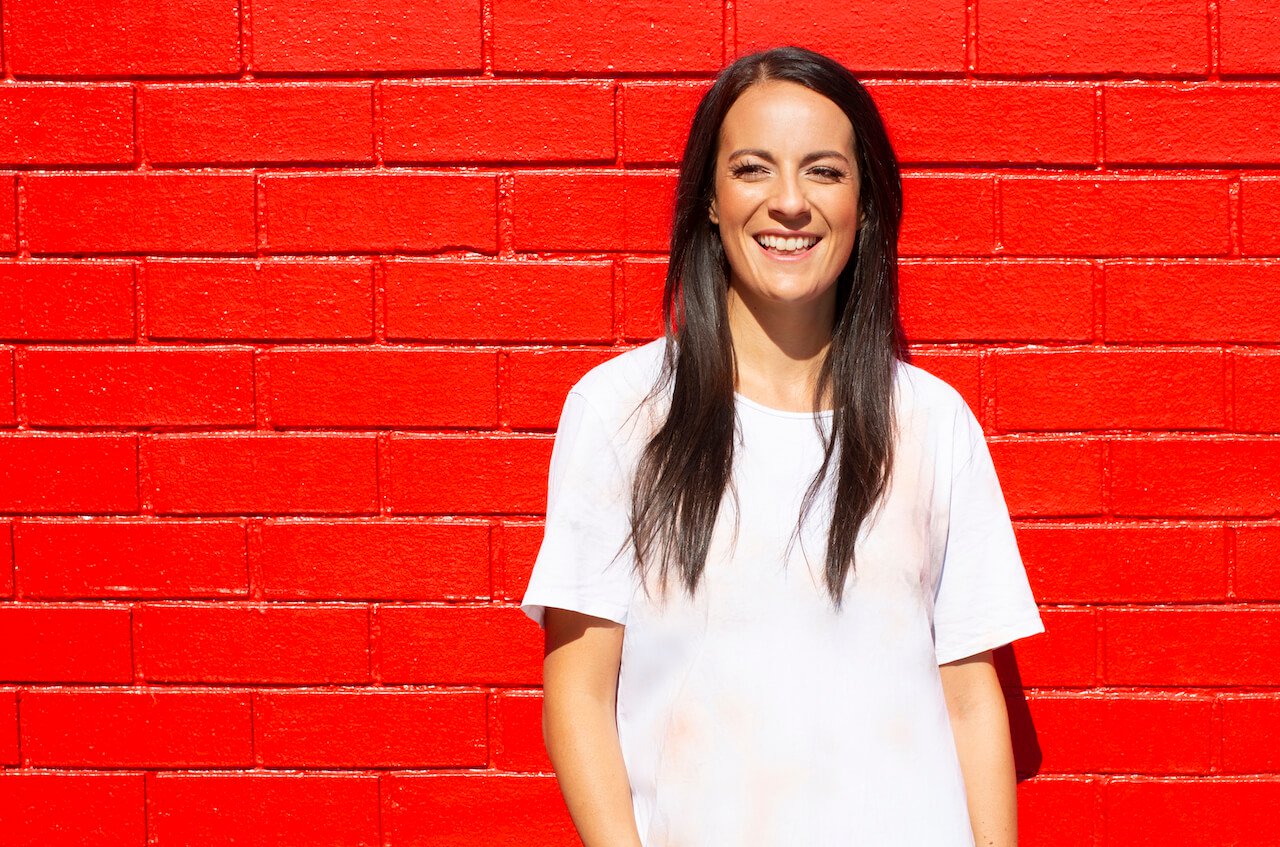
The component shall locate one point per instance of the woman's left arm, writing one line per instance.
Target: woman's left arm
(980, 724)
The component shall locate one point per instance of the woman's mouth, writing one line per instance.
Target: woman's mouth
(787, 245)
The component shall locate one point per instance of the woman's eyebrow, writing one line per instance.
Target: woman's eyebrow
(811, 157)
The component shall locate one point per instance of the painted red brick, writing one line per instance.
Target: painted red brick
(1257, 551)
(379, 212)
(656, 117)
(386, 560)
(384, 35)
(42, 124)
(458, 645)
(975, 300)
(6, 559)
(8, 215)
(1204, 123)
(1249, 37)
(1250, 733)
(919, 35)
(48, 301)
(495, 121)
(434, 810)
(947, 215)
(75, 558)
(1195, 646)
(260, 643)
(277, 299)
(516, 545)
(153, 212)
(1050, 476)
(977, 122)
(1124, 562)
(538, 380)
(1115, 216)
(643, 281)
(1093, 37)
(379, 387)
(1260, 207)
(251, 123)
(9, 727)
(1065, 655)
(62, 643)
(370, 729)
(1057, 812)
(1257, 390)
(1150, 812)
(1195, 476)
(141, 38)
(621, 36)
(60, 474)
(1215, 301)
(136, 386)
(491, 301)
(140, 728)
(962, 370)
(262, 473)
(46, 809)
(484, 475)
(272, 810)
(517, 732)
(593, 211)
(8, 411)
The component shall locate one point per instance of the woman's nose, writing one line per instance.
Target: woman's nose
(788, 197)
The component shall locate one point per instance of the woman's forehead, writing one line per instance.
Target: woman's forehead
(785, 116)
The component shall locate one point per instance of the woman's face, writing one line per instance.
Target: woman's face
(786, 192)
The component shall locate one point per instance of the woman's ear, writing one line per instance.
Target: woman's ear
(711, 212)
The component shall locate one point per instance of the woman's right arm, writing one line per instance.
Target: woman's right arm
(579, 725)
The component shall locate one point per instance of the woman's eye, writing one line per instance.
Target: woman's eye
(829, 173)
(741, 170)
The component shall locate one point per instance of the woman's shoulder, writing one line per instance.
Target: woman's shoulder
(618, 386)
(922, 390)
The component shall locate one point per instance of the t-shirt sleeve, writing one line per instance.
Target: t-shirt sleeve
(983, 598)
(586, 525)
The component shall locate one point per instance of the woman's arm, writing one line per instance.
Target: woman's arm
(579, 726)
(980, 723)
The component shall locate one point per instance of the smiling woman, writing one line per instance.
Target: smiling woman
(707, 680)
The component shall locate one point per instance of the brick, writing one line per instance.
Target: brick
(458, 645)
(137, 386)
(60, 474)
(73, 301)
(384, 560)
(487, 475)
(656, 117)
(8, 409)
(947, 216)
(1249, 37)
(252, 643)
(9, 727)
(1051, 476)
(291, 36)
(1207, 646)
(137, 38)
(1260, 207)
(490, 301)
(1110, 388)
(1257, 575)
(259, 300)
(382, 387)
(515, 548)
(1192, 301)
(921, 35)
(497, 121)
(1091, 733)
(6, 559)
(1150, 812)
(1124, 562)
(976, 122)
(962, 370)
(1195, 476)
(593, 211)
(1065, 655)
(643, 281)
(253, 123)
(996, 301)
(137, 728)
(1257, 390)
(622, 36)
(379, 212)
(42, 124)
(74, 559)
(150, 212)
(62, 809)
(1168, 37)
(517, 732)
(8, 214)
(1202, 124)
(371, 729)
(202, 810)
(1250, 733)
(1115, 216)
(538, 381)
(65, 644)
(1057, 812)
(263, 474)
(435, 810)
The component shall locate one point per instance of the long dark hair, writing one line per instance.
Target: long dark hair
(686, 465)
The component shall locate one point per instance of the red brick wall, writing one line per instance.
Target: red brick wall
(290, 295)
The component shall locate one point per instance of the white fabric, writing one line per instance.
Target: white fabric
(754, 714)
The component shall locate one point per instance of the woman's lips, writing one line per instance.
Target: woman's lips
(789, 256)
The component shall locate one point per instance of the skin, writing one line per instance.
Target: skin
(785, 163)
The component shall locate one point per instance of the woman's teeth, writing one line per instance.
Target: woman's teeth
(786, 245)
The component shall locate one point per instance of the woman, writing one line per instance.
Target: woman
(708, 681)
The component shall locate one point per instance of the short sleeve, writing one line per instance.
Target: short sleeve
(587, 523)
(983, 599)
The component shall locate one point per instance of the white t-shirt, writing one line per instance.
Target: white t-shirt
(753, 713)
